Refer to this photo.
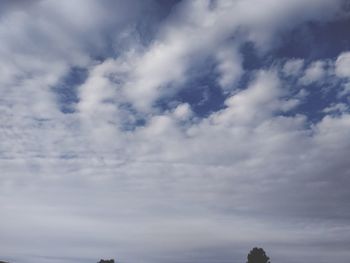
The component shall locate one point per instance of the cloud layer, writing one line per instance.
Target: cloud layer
(101, 154)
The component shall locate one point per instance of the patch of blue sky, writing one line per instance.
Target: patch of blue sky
(67, 90)
(310, 42)
(318, 98)
(313, 41)
(321, 96)
(132, 118)
(252, 60)
(201, 91)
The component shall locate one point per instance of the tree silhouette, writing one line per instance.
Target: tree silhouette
(257, 255)
(106, 261)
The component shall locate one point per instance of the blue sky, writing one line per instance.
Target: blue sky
(174, 131)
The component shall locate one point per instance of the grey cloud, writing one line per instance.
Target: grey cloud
(172, 192)
(13, 5)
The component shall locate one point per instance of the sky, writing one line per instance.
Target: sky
(169, 131)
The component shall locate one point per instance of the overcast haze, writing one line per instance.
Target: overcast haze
(155, 131)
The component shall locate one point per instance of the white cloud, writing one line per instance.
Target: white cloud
(342, 65)
(255, 103)
(160, 69)
(229, 66)
(183, 111)
(314, 73)
(293, 67)
(345, 91)
(337, 108)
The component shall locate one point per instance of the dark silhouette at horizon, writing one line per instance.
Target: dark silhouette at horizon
(257, 255)
(105, 261)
